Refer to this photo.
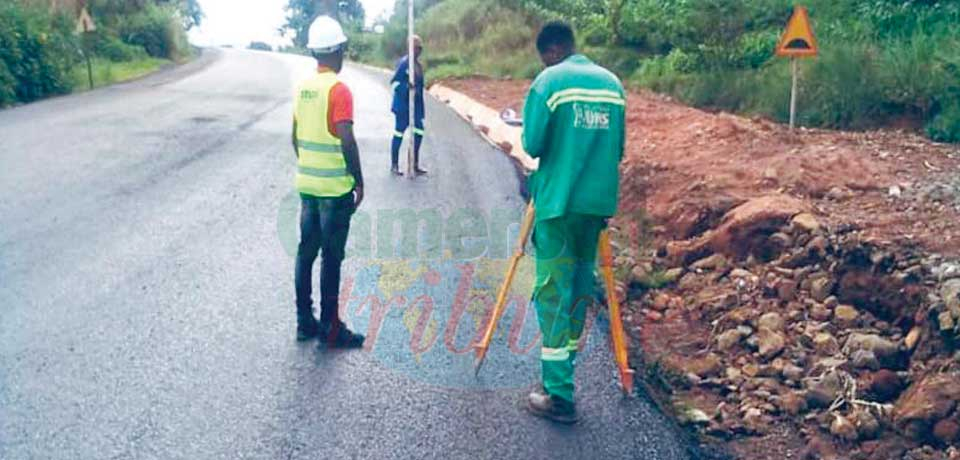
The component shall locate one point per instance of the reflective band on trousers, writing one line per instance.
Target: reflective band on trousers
(573, 345)
(322, 172)
(554, 354)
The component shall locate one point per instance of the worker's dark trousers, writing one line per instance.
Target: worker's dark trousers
(324, 226)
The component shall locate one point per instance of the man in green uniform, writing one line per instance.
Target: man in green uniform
(574, 123)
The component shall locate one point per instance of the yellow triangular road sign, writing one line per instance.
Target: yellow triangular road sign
(798, 40)
(85, 22)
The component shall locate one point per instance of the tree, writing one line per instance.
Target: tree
(192, 13)
(190, 10)
(301, 13)
(615, 15)
(260, 46)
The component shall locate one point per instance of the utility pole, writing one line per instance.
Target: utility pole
(412, 90)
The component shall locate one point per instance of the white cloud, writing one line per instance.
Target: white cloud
(239, 22)
(375, 9)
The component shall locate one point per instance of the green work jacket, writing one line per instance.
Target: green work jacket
(574, 121)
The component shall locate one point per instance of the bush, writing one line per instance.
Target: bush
(843, 89)
(260, 46)
(362, 47)
(156, 29)
(945, 125)
(35, 52)
(880, 59)
(107, 45)
(8, 93)
(620, 60)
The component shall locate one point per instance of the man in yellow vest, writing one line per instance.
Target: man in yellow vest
(330, 183)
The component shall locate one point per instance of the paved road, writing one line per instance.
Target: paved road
(146, 298)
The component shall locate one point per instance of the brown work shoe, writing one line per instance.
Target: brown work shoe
(552, 408)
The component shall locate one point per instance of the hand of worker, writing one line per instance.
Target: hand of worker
(357, 196)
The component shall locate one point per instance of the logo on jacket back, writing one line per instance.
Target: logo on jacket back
(591, 116)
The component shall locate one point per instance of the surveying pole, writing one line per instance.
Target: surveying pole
(412, 90)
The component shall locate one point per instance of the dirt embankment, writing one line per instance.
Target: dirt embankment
(796, 294)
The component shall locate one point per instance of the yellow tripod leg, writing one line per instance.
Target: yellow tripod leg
(618, 336)
(526, 227)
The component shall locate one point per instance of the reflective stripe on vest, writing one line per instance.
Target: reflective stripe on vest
(321, 167)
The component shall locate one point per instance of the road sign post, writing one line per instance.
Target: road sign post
(411, 90)
(793, 94)
(797, 42)
(84, 26)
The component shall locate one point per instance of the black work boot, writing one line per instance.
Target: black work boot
(395, 170)
(307, 328)
(336, 335)
(552, 408)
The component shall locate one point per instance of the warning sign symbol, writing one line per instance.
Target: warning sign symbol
(798, 40)
(85, 22)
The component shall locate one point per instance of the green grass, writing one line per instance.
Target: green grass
(107, 73)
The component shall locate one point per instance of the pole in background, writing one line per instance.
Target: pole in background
(797, 41)
(412, 90)
(86, 57)
(83, 28)
(793, 95)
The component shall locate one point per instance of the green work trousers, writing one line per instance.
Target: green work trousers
(566, 251)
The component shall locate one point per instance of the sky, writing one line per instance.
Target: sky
(239, 22)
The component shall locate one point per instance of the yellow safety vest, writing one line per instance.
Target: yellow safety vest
(321, 167)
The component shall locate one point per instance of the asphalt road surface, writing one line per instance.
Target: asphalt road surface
(146, 287)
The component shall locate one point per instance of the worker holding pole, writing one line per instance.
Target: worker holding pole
(574, 120)
(401, 108)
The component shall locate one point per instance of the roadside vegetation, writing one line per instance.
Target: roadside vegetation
(107, 72)
(882, 62)
(41, 54)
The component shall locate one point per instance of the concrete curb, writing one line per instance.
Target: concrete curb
(488, 123)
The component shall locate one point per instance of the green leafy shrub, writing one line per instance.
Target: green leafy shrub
(755, 49)
(880, 60)
(945, 125)
(156, 29)
(361, 46)
(8, 83)
(843, 89)
(36, 53)
(620, 60)
(109, 46)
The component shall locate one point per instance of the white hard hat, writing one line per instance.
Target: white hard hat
(326, 35)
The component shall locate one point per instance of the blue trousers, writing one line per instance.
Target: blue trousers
(402, 123)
